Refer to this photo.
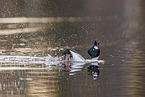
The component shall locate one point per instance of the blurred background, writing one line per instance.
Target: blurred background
(37, 28)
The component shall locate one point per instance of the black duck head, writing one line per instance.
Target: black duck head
(94, 51)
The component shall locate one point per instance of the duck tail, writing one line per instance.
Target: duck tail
(95, 43)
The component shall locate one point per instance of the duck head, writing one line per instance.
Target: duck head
(94, 51)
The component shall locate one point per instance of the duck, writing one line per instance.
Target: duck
(66, 55)
(70, 55)
(94, 51)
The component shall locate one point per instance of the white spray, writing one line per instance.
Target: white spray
(77, 57)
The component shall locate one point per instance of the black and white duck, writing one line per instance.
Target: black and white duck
(69, 55)
(94, 51)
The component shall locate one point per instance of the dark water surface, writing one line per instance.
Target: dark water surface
(119, 25)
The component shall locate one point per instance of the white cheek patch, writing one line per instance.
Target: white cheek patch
(96, 47)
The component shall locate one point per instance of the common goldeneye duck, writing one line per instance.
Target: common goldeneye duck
(69, 55)
(66, 55)
(94, 51)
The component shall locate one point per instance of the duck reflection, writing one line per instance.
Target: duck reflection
(94, 70)
(72, 67)
(66, 65)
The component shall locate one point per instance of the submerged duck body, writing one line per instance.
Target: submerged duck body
(69, 55)
(94, 51)
(66, 55)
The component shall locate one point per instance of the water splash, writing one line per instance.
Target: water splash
(27, 59)
(77, 57)
(49, 60)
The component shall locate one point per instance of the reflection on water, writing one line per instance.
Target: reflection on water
(46, 27)
(44, 83)
(135, 68)
(35, 79)
(72, 67)
(94, 70)
(37, 82)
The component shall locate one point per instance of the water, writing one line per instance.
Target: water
(30, 40)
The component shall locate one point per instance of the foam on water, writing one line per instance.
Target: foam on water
(49, 60)
(28, 59)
